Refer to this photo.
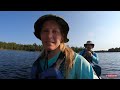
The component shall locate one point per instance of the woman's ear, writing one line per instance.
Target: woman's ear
(62, 39)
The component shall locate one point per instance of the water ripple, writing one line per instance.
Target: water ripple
(17, 64)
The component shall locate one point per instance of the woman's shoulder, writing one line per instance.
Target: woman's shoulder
(82, 67)
(79, 59)
(37, 60)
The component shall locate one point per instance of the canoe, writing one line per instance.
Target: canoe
(97, 69)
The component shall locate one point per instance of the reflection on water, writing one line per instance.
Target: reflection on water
(17, 64)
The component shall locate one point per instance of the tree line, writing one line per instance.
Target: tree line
(28, 47)
(114, 49)
(77, 49)
(14, 46)
(35, 47)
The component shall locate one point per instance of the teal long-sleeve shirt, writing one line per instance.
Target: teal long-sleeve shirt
(81, 68)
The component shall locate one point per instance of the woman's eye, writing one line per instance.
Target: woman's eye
(56, 32)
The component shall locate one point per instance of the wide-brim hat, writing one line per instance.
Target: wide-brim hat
(39, 23)
(89, 43)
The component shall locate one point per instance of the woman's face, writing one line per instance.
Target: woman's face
(50, 35)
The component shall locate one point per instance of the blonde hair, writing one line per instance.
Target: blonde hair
(69, 54)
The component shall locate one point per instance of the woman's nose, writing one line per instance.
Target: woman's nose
(50, 35)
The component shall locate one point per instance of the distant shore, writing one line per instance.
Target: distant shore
(20, 50)
(39, 51)
(34, 47)
(106, 51)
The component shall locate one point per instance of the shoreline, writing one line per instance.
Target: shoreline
(19, 50)
(106, 51)
(40, 51)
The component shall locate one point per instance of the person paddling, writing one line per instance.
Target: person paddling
(91, 56)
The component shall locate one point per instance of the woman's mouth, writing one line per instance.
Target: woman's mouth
(49, 42)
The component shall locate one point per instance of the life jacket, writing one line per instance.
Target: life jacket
(88, 58)
(53, 72)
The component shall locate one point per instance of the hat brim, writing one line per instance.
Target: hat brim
(88, 44)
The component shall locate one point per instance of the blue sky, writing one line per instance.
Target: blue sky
(102, 27)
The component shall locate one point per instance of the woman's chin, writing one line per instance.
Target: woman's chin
(50, 49)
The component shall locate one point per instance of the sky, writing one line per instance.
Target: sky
(101, 27)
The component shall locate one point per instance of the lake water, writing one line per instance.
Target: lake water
(17, 64)
(110, 64)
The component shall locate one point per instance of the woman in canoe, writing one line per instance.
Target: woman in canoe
(57, 60)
